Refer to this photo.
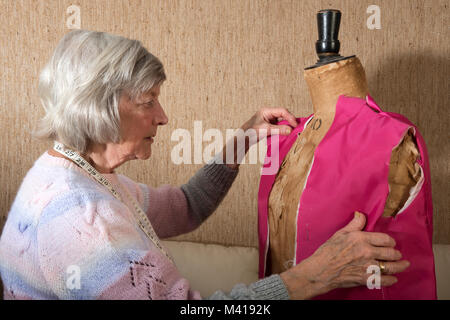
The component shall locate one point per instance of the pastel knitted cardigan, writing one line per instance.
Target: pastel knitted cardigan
(63, 223)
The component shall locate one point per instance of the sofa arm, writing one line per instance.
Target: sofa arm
(210, 267)
(442, 267)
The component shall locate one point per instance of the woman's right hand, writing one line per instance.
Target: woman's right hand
(342, 262)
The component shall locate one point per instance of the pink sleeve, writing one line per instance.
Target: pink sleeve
(166, 207)
(168, 211)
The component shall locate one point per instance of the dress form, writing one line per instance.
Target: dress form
(332, 76)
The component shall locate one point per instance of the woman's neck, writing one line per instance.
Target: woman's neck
(328, 82)
(102, 158)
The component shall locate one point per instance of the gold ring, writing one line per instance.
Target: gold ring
(382, 266)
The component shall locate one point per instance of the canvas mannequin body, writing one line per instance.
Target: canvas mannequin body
(326, 83)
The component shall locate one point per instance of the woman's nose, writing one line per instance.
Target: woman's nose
(161, 118)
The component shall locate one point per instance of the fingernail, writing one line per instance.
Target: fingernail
(356, 214)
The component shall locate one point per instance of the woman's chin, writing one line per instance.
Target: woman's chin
(142, 152)
(144, 156)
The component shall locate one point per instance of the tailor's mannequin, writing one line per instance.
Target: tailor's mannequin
(326, 82)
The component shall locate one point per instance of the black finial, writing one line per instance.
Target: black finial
(328, 45)
(328, 22)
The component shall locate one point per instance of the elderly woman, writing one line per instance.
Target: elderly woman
(74, 216)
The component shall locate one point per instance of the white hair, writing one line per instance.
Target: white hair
(80, 86)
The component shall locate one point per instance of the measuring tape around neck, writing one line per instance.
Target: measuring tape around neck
(139, 214)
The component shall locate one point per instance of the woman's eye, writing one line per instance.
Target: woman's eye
(150, 103)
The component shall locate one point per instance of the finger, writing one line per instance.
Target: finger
(280, 113)
(379, 239)
(387, 281)
(382, 278)
(389, 267)
(282, 129)
(358, 222)
(386, 254)
(395, 267)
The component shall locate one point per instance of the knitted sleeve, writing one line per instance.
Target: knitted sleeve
(207, 188)
(177, 210)
(90, 248)
(166, 207)
(270, 288)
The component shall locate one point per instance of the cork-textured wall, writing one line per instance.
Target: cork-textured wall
(224, 60)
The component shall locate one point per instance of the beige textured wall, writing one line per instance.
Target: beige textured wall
(224, 60)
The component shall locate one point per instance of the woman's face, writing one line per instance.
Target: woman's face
(139, 120)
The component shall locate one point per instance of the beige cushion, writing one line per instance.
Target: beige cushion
(210, 267)
(442, 263)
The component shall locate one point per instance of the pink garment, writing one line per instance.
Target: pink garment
(350, 171)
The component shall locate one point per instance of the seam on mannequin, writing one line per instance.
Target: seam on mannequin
(298, 209)
(267, 246)
(296, 233)
(307, 121)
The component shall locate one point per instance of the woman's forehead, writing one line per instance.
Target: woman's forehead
(153, 92)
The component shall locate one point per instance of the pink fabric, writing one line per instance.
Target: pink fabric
(350, 171)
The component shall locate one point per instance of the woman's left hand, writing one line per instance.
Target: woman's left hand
(264, 122)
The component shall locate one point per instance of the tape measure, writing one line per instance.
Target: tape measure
(139, 214)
